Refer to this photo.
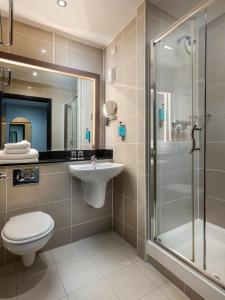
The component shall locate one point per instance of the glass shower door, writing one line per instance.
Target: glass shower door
(179, 137)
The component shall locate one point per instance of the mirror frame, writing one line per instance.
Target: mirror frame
(42, 65)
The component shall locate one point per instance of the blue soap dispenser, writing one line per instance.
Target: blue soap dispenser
(122, 131)
(161, 115)
(88, 135)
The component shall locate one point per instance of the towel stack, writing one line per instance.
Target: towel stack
(16, 153)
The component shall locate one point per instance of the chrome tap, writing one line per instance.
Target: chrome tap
(93, 161)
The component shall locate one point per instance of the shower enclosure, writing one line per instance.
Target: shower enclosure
(187, 188)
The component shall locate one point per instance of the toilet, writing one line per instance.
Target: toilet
(26, 234)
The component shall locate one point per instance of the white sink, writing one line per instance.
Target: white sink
(94, 179)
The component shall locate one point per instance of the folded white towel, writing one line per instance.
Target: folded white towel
(17, 151)
(18, 161)
(21, 145)
(30, 155)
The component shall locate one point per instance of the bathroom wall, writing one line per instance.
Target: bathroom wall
(128, 90)
(59, 195)
(29, 41)
(215, 110)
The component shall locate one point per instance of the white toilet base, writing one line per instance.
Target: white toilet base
(27, 251)
(28, 259)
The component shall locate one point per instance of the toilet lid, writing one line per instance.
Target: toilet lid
(27, 226)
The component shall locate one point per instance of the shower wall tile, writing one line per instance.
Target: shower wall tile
(174, 214)
(215, 184)
(215, 156)
(215, 99)
(215, 209)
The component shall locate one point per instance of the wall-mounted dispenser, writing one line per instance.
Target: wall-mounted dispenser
(111, 76)
(122, 131)
(109, 111)
(88, 135)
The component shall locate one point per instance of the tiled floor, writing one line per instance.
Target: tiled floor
(102, 267)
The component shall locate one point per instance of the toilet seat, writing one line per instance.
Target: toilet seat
(27, 228)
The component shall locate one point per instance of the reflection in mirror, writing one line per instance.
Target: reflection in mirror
(26, 118)
(52, 110)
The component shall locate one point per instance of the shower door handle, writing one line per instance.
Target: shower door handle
(195, 128)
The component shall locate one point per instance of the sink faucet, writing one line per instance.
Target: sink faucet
(93, 161)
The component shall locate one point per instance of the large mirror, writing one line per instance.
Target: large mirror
(53, 109)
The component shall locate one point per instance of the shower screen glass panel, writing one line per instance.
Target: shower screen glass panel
(179, 137)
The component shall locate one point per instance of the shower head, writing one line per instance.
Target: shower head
(187, 43)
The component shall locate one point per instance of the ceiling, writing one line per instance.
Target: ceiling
(97, 21)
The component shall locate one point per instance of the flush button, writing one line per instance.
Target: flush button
(25, 176)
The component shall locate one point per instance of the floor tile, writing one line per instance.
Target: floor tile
(67, 254)
(43, 264)
(172, 292)
(8, 281)
(96, 291)
(47, 287)
(130, 283)
(155, 295)
(129, 251)
(94, 245)
(78, 274)
(152, 273)
(110, 261)
(114, 238)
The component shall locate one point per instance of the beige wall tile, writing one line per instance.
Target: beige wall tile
(130, 235)
(118, 209)
(130, 185)
(81, 212)
(141, 248)
(31, 195)
(130, 213)
(118, 226)
(32, 31)
(60, 237)
(59, 211)
(33, 47)
(89, 228)
(2, 195)
(129, 46)
(141, 222)
(2, 256)
(130, 73)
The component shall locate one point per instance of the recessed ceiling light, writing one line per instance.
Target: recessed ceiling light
(34, 73)
(43, 50)
(61, 3)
